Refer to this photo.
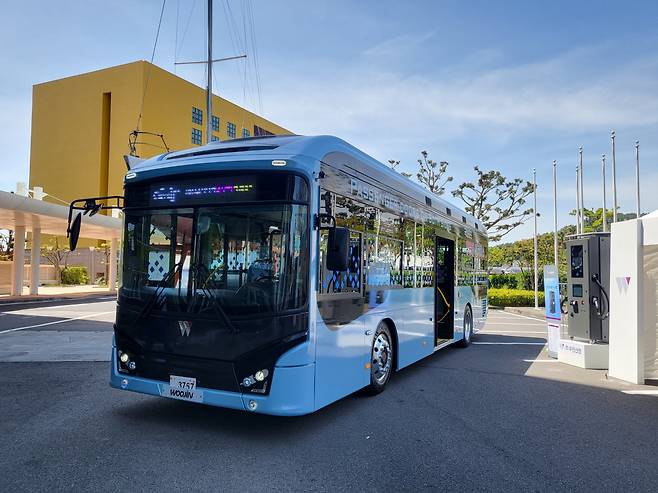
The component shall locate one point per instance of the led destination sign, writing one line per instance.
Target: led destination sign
(216, 188)
(173, 194)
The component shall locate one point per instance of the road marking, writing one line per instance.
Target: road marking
(640, 392)
(523, 316)
(510, 323)
(89, 315)
(494, 331)
(541, 361)
(511, 343)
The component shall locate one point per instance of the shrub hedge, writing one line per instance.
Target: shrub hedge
(514, 297)
(75, 274)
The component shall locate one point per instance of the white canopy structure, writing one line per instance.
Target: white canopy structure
(21, 214)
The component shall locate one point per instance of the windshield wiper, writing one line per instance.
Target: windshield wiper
(196, 270)
(156, 297)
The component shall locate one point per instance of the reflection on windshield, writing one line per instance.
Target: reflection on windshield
(228, 260)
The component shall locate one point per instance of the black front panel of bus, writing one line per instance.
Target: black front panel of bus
(217, 357)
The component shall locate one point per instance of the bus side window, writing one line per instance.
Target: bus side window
(348, 281)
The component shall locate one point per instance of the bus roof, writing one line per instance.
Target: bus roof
(315, 147)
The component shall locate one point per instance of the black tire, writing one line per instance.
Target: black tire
(381, 360)
(468, 328)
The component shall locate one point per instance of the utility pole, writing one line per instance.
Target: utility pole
(555, 213)
(605, 219)
(614, 179)
(637, 178)
(209, 62)
(209, 81)
(534, 186)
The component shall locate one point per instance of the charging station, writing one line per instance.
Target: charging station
(588, 301)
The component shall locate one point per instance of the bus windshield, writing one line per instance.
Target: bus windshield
(221, 262)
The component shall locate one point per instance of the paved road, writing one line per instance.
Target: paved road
(76, 330)
(494, 416)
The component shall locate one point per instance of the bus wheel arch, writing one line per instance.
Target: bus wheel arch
(468, 326)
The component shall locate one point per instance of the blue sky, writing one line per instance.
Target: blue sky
(506, 85)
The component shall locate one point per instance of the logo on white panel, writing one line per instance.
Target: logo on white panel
(623, 283)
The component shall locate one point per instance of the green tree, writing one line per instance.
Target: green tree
(496, 201)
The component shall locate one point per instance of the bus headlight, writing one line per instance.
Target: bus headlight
(261, 375)
(123, 357)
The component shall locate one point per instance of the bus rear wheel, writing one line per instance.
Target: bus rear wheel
(381, 360)
(468, 328)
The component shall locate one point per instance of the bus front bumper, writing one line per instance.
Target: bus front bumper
(292, 392)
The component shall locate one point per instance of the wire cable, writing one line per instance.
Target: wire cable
(148, 73)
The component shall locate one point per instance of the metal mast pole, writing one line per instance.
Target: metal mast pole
(614, 179)
(209, 82)
(578, 231)
(534, 184)
(555, 213)
(580, 191)
(637, 178)
(605, 219)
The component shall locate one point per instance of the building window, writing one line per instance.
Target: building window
(197, 116)
(215, 123)
(196, 136)
(245, 133)
(214, 138)
(261, 132)
(230, 130)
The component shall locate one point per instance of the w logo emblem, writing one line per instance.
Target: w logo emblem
(185, 327)
(623, 283)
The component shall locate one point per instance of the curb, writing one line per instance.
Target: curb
(14, 300)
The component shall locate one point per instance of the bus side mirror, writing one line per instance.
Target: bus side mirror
(74, 231)
(338, 249)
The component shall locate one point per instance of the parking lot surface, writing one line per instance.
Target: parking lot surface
(499, 415)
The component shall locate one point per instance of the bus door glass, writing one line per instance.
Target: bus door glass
(444, 291)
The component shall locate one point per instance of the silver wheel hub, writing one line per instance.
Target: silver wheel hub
(381, 358)
(468, 327)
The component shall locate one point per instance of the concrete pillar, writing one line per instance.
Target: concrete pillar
(112, 270)
(35, 261)
(19, 261)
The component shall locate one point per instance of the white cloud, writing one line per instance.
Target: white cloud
(559, 94)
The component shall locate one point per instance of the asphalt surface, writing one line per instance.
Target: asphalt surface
(495, 416)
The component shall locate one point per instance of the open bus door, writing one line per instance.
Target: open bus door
(444, 290)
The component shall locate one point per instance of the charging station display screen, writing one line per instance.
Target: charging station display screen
(577, 291)
(577, 261)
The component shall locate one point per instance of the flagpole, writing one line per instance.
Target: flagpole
(578, 231)
(614, 179)
(581, 190)
(605, 219)
(555, 257)
(637, 178)
(534, 185)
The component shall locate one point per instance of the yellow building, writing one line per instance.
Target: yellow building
(81, 125)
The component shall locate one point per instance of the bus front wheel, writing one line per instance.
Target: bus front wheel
(381, 359)
(468, 328)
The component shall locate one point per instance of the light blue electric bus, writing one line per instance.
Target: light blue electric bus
(280, 274)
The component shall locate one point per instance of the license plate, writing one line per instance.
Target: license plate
(182, 388)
